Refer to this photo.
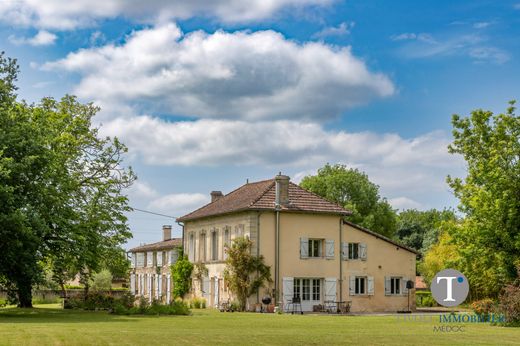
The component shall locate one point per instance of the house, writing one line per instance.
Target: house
(313, 251)
(150, 275)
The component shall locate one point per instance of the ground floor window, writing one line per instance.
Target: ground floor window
(360, 285)
(395, 285)
(307, 289)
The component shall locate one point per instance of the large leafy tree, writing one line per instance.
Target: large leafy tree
(245, 273)
(61, 187)
(421, 229)
(488, 240)
(353, 190)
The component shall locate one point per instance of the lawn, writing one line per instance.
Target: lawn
(49, 325)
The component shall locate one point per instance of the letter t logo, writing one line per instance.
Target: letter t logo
(449, 287)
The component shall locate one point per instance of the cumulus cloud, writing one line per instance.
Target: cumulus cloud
(399, 164)
(403, 203)
(179, 204)
(42, 38)
(248, 75)
(57, 14)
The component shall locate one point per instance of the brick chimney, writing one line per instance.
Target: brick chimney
(282, 190)
(216, 195)
(167, 232)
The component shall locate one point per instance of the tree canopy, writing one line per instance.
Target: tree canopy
(352, 189)
(61, 188)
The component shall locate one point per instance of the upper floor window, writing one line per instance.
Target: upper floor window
(353, 250)
(191, 247)
(202, 247)
(214, 245)
(315, 247)
(226, 242)
(149, 259)
(140, 259)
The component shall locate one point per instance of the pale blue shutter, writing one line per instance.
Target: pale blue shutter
(304, 248)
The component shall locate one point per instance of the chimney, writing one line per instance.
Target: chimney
(216, 195)
(282, 190)
(167, 232)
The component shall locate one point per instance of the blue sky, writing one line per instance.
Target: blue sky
(209, 94)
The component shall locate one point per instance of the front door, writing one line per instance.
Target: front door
(309, 290)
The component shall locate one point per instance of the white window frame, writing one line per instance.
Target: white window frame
(311, 248)
(361, 282)
(353, 251)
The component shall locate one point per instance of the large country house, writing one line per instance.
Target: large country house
(315, 254)
(150, 276)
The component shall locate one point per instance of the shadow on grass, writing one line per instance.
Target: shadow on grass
(46, 315)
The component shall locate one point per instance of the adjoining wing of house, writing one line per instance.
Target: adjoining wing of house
(314, 252)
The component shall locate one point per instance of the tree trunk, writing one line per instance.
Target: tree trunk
(63, 290)
(24, 293)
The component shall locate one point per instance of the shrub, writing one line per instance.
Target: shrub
(3, 302)
(510, 304)
(234, 306)
(93, 301)
(424, 299)
(181, 274)
(483, 307)
(197, 303)
(177, 307)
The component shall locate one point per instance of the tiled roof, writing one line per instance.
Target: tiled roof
(161, 245)
(261, 196)
(380, 236)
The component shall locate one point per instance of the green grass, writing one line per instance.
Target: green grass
(49, 325)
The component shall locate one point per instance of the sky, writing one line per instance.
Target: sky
(208, 94)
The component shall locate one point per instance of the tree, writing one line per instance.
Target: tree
(181, 275)
(102, 281)
(352, 189)
(61, 187)
(489, 238)
(421, 229)
(244, 272)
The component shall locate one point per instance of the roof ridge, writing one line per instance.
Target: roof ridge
(226, 195)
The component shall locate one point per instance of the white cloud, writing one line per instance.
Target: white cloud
(403, 203)
(254, 76)
(474, 46)
(340, 30)
(402, 166)
(57, 14)
(178, 204)
(142, 190)
(42, 38)
(481, 25)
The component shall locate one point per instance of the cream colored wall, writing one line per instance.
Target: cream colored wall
(383, 259)
(394, 261)
(247, 220)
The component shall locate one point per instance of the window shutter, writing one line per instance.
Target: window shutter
(168, 289)
(288, 290)
(329, 248)
(174, 256)
(205, 289)
(159, 258)
(387, 286)
(304, 247)
(370, 285)
(330, 289)
(363, 251)
(404, 290)
(352, 286)
(132, 283)
(344, 251)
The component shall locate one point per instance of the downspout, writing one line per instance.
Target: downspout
(257, 249)
(277, 255)
(340, 260)
(182, 243)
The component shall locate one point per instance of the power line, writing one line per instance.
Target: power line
(151, 212)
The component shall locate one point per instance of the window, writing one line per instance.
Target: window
(191, 247)
(202, 247)
(353, 250)
(226, 242)
(296, 288)
(360, 285)
(140, 259)
(306, 289)
(159, 258)
(316, 288)
(395, 285)
(315, 247)
(214, 245)
(149, 259)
